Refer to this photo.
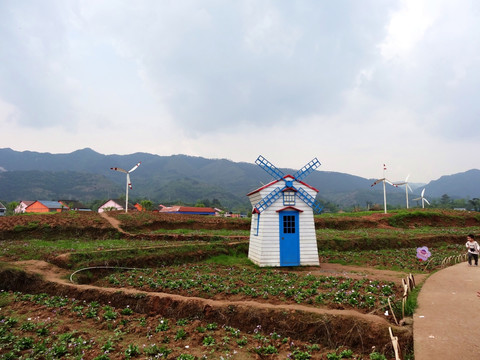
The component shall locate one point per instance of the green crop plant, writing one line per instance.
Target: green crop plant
(208, 340)
(181, 334)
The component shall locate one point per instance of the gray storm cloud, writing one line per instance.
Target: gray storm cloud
(214, 64)
(178, 76)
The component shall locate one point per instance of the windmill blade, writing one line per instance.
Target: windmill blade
(128, 181)
(317, 207)
(135, 167)
(416, 199)
(389, 182)
(309, 200)
(269, 167)
(406, 179)
(409, 188)
(426, 201)
(307, 169)
(423, 192)
(119, 169)
(377, 182)
(268, 200)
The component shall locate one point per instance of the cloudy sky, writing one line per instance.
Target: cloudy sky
(354, 83)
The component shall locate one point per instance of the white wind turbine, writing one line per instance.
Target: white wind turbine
(384, 180)
(407, 187)
(129, 184)
(423, 199)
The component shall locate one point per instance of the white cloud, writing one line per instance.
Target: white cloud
(406, 29)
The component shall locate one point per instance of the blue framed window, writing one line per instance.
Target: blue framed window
(256, 223)
(289, 226)
(289, 198)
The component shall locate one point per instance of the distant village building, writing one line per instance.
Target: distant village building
(74, 205)
(192, 210)
(41, 206)
(115, 204)
(3, 209)
(20, 209)
(232, 215)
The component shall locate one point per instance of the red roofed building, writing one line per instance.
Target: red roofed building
(41, 206)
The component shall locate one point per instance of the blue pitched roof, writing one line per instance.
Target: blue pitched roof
(51, 204)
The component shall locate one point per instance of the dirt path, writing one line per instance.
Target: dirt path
(114, 222)
(446, 320)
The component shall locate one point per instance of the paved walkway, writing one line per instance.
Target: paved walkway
(447, 321)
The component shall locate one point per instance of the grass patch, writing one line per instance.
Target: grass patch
(203, 232)
(404, 259)
(346, 214)
(411, 303)
(148, 256)
(5, 299)
(38, 249)
(403, 219)
(239, 259)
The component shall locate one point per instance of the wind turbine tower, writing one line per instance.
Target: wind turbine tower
(423, 199)
(129, 184)
(407, 187)
(384, 180)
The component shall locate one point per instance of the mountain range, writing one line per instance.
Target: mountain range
(85, 175)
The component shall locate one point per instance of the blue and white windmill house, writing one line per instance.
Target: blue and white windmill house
(282, 232)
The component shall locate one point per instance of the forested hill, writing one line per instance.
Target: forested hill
(85, 175)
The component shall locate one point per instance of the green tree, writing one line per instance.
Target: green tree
(475, 202)
(11, 207)
(459, 203)
(147, 205)
(95, 204)
(445, 201)
(216, 204)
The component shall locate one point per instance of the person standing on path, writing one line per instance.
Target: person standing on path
(473, 249)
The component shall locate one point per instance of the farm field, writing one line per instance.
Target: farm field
(180, 287)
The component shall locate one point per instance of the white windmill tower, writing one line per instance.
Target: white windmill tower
(407, 187)
(423, 199)
(384, 180)
(129, 184)
(283, 228)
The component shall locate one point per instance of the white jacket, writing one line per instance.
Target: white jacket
(473, 247)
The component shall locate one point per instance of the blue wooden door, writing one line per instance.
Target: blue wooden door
(289, 239)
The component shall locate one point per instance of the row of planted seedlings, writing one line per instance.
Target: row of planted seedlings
(40, 326)
(403, 259)
(261, 284)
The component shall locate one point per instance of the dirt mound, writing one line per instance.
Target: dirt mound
(403, 219)
(151, 221)
(53, 226)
